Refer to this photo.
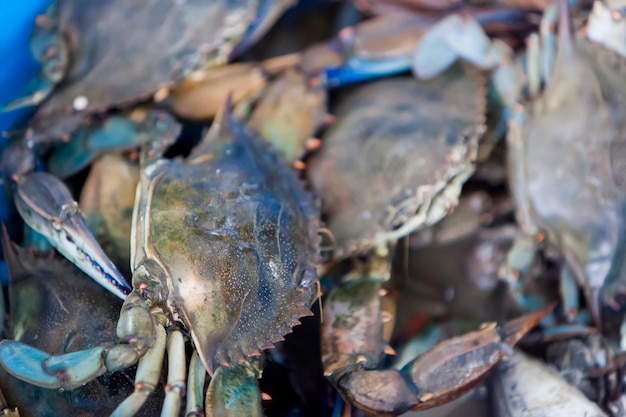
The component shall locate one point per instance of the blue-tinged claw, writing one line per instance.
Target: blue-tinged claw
(76, 368)
(116, 133)
(47, 206)
(359, 69)
(70, 157)
(119, 133)
(36, 92)
(26, 363)
(38, 368)
(606, 25)
(433, 54)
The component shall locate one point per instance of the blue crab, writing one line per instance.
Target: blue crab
(115, 54)
(374, 48)
(224, 248)
(565, 164)
(413, 165)
(53, 306)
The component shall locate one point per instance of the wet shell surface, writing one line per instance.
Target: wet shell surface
(397, 156)
(238, 236)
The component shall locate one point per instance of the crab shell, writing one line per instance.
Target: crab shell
(57, 308)
(397, 156)
(122, 52)
(567, 165)
(235, 237)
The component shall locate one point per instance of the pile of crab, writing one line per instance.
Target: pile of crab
(237, 208)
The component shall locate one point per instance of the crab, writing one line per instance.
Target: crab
(565, 169)
(224, 248)
(116, 54)
(380, 178)
(412, 166)
(53, 306)
(374, 48)
(433, 378)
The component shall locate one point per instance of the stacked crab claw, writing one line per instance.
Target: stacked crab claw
(353, 209)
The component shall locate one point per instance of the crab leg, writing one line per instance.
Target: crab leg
(352, 330)
(70, 370)
(142, 335)
(147, 377)
(47, 206)
(175, 388)
(195, 387)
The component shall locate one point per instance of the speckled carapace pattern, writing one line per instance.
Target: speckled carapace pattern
(237, 235)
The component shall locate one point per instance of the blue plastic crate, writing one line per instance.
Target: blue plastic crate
(17, 20)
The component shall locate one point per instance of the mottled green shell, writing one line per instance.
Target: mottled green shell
(237, 235)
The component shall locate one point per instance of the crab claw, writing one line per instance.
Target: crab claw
(430, 380)
(47, 206)
(38, 368)
(444, 373)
